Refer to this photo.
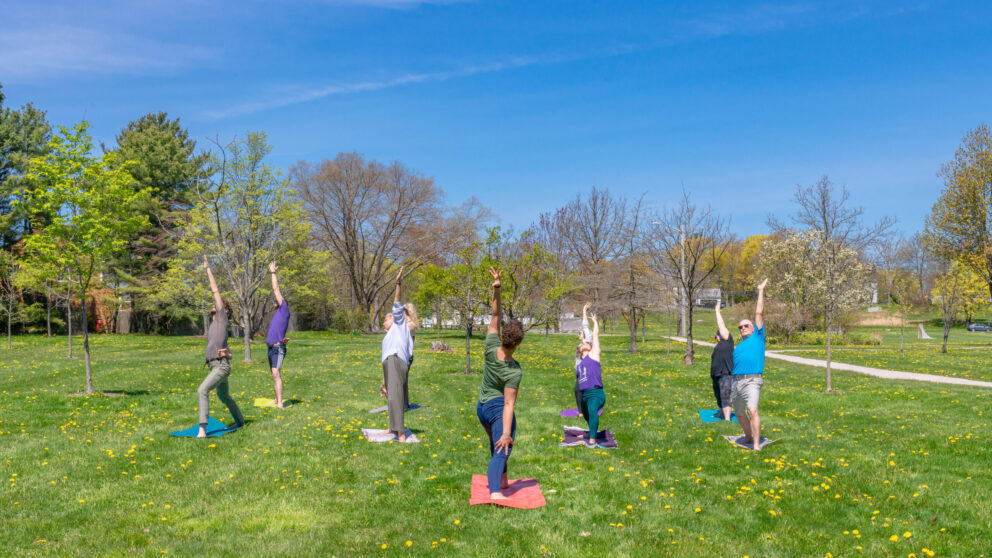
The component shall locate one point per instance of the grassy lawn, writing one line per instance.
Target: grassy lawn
(886, 469)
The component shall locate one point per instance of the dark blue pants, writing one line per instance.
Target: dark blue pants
(491, 416)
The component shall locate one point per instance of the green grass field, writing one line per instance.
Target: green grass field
(886, 469)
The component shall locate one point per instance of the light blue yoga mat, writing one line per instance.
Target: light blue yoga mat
(215, 428)
(706, 415)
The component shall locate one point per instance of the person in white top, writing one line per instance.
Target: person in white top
(397, 356)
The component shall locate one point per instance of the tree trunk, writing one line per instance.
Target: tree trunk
(246, 325)
(633, 330)
(947, 331)
(668, 350)
(547, 328)
(690, 349)
(48, 312)
(206, 325)
(643, 326)
(468, 349)
(86, 346)
(829, 378)
(8, 330)
(68, 306)
(902, 333)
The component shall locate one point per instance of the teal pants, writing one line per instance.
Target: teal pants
(592, 401)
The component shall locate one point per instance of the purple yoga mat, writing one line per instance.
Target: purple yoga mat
(576, 413)
(574, 436)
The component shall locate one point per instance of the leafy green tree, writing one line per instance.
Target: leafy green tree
(958, 292)
(88, 206)
(162, 158)
(959, 226)
(24, 134)
(245, 217)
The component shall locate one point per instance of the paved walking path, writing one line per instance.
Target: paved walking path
(877, 372)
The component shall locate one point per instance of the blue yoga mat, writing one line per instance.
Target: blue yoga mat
(706, 415)
(215, 428)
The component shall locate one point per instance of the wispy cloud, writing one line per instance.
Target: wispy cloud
(365, 86)
(51, 50)
(394, 4)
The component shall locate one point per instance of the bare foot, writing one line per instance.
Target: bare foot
(497, 496)
(202, 433)
(280, 405)
(401, 436)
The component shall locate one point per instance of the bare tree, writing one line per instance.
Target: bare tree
(885, 257)
(596, 233)
(688, 243)
(10, 293)
(821, 208)
(372, 216)
(918, 260)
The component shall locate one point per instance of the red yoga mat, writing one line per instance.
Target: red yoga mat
(524, 494)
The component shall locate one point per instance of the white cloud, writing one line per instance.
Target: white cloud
(363, 86)
(56, 49)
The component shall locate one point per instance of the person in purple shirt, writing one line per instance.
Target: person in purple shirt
(276, 338)
(589, 375)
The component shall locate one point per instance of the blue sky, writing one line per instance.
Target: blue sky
(526, 104)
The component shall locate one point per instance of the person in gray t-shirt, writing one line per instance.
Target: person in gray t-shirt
(218, 358)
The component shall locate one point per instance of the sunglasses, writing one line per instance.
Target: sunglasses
(743, 326)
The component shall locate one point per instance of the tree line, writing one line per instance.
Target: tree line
(115, 234)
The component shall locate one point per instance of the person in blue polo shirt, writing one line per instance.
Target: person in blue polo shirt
(749, 364)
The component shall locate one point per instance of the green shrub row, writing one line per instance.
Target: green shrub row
(820, 338)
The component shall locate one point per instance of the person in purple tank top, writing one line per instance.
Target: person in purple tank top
(589, 375)
(276, 338)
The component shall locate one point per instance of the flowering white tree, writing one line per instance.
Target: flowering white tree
(828, 276)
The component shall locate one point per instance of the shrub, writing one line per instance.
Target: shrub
(820, 338)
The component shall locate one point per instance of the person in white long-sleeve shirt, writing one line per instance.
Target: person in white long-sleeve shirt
(397, 356)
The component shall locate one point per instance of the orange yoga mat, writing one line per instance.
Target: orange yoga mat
(524, 494)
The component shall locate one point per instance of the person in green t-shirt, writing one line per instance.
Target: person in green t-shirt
(498, 392)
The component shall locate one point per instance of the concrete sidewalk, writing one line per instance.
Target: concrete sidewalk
(877, 372)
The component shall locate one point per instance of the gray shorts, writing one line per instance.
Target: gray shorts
(748, 389)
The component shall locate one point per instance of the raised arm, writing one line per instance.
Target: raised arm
(596, 351)
(720, 325)
(218, 301)
(497, 310)
(275, 284)
(586, 334)
(759, 308)
(399, 280)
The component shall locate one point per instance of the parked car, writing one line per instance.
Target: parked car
(979, 327)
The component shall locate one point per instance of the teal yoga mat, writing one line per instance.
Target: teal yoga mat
(706, 415)
(215, 428)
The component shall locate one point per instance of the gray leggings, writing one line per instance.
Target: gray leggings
(220, 369)
(395, 372)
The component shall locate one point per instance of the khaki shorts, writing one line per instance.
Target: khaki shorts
(747, 388)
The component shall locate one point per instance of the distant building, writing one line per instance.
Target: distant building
(708, 297)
